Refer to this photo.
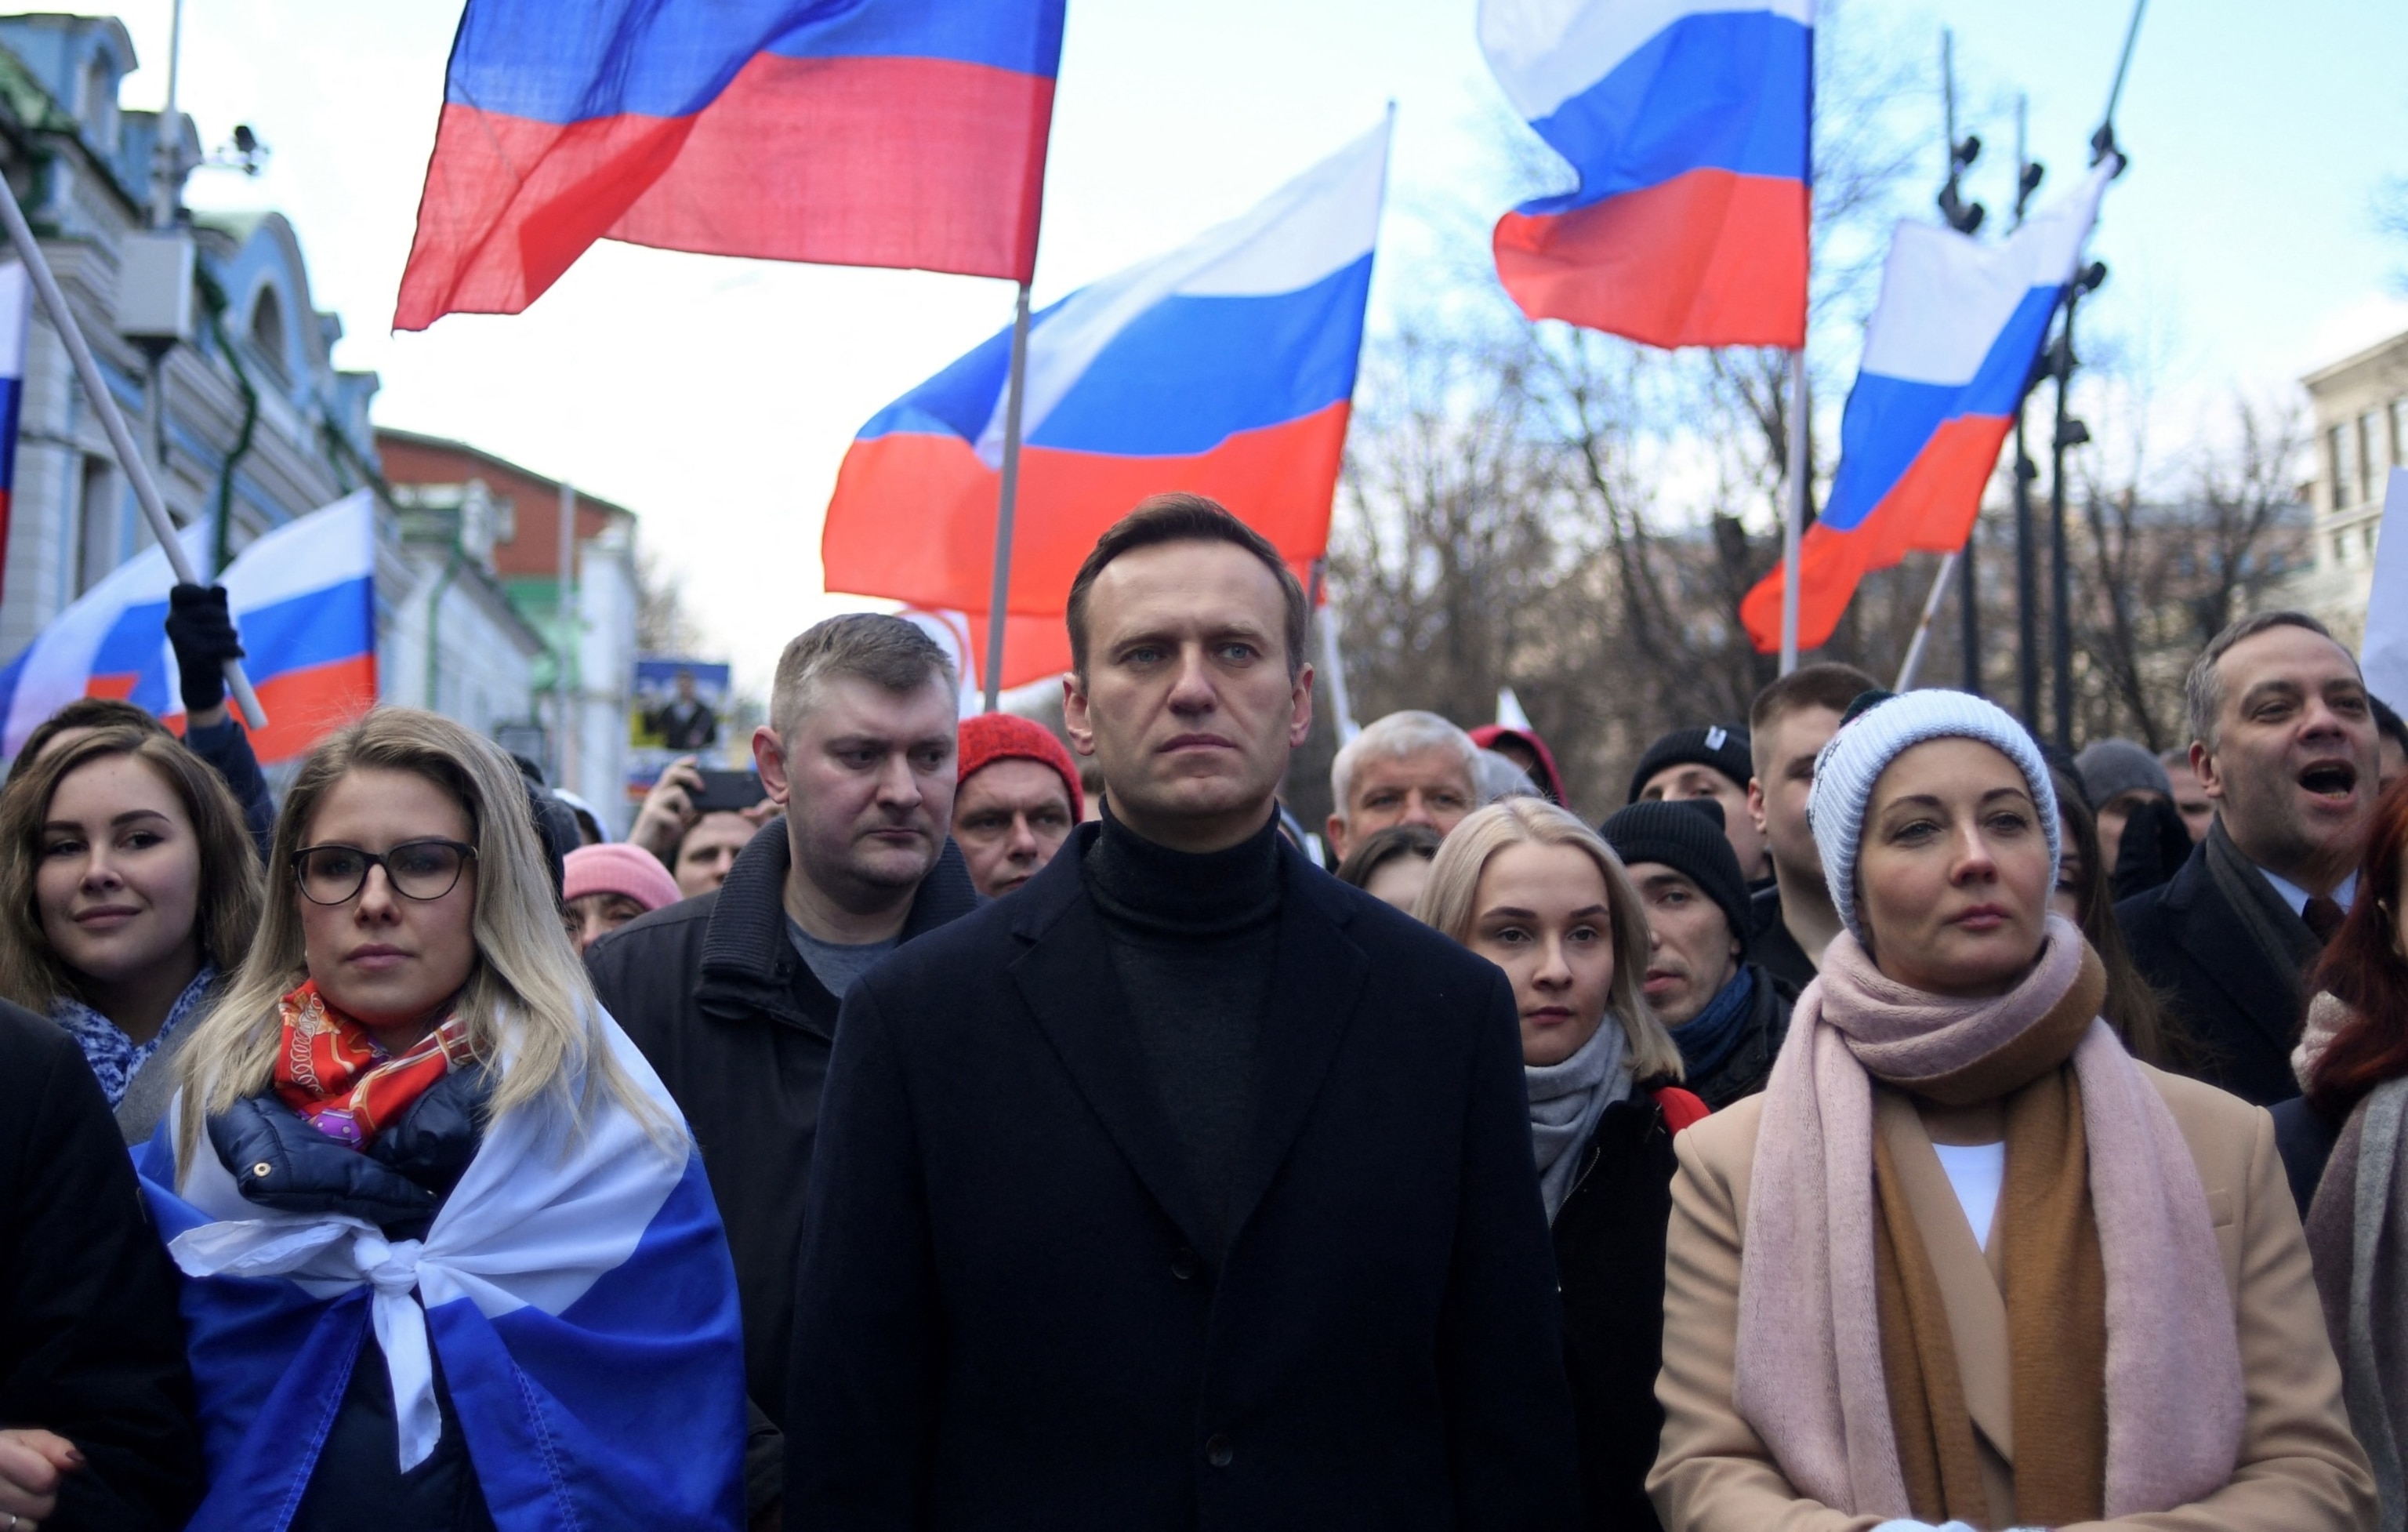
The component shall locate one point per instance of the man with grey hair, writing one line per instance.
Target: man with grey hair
(733, 995)
(2283, 744)
(1409, 768)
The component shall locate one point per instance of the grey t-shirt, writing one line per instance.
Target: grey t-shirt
(836, 964)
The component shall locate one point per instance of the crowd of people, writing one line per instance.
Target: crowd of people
(1882, 1122)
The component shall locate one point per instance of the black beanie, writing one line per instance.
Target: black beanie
(1686, 835)
(1721, 747)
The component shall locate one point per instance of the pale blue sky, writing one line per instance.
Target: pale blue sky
(716, 397)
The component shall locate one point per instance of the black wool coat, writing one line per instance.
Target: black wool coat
(2242, 1015)
(90, 1346)
(1609, 1264)
(1004, 1320)
(740, 1030)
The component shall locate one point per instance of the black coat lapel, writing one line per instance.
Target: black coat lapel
(1317, 976)
(1065, 977)
(2219, 939)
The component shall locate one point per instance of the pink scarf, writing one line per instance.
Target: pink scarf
(1808, 1378)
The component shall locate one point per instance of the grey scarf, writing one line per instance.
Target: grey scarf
(2278, 933)
(2359, 1244)
(1565, 1101)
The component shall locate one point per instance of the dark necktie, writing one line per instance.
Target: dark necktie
(2324, 917)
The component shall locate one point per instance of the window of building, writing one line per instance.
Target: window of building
(2341, 465)
(2376, 454)
(100, 100)
(98, 508)
(2340, 548)
(267, 330)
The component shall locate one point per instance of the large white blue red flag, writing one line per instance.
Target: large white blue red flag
(575, 1287)
(1689, 124)
(303, 597)
(874, 133)
(1226, 368)
(16, 315)
(1948, 354)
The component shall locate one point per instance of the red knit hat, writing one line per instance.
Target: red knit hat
(989, 738)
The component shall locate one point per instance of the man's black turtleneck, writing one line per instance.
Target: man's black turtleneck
(1191, 939)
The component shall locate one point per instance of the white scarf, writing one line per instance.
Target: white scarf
(1565, 1101)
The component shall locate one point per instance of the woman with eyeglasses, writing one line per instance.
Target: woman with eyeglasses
(450, 1260)
(129, 888)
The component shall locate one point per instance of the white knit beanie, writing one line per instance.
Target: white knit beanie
(1846, 771)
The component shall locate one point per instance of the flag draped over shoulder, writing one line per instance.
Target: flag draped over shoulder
(1688, 123)
(576, 1288)
(1226, 368)
(1948, 354)
(878, 132)
(303, 597)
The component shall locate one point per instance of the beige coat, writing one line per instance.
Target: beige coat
(2300, 1469)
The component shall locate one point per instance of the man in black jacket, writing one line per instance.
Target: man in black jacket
(733, 995)
(1187, 1187)
(1727, 1015)
(2283, 741)
(91, 1352)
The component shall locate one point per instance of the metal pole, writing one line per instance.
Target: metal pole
(2026, 569)
(1793, 523)
(564, 627)
(1000, 591)
(1923, 629)
(2116, 92)
(2060, 572)
(165, 170)
(1968, 603)
(1332, 659)
(120, 440)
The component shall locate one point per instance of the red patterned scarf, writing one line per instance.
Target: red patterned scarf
(331, 1070)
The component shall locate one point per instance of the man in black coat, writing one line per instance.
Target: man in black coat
(2283, 743)
(1185, 1187)
(733, 995)
(1727, 1014)
(91, 1352)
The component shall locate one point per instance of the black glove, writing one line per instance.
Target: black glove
(204, 638)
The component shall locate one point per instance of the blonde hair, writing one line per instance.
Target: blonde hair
(527, 999)
(1448, 902)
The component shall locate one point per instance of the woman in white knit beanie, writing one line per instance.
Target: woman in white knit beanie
(1965, 1262)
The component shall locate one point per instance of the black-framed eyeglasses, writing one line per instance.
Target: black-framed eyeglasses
(417, 870)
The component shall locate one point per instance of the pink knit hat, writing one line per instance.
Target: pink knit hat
(620, 868)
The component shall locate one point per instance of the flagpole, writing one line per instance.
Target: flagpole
(1333, 660)
(1794, 520)
(1000, 592)
(1923, 629)
(120, 440)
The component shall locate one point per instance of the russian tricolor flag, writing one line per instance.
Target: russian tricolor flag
(1688, 121)
(303, 599)
(875, 132)
(1226, 368)
(1947, 356)
(575, 1291)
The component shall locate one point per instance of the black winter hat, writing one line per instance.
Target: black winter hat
(1686, 835)
(1721, 747)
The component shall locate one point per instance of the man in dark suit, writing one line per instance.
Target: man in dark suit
(2283, 742)
(1187, 1187)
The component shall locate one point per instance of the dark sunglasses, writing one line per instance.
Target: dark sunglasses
(417, 870)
